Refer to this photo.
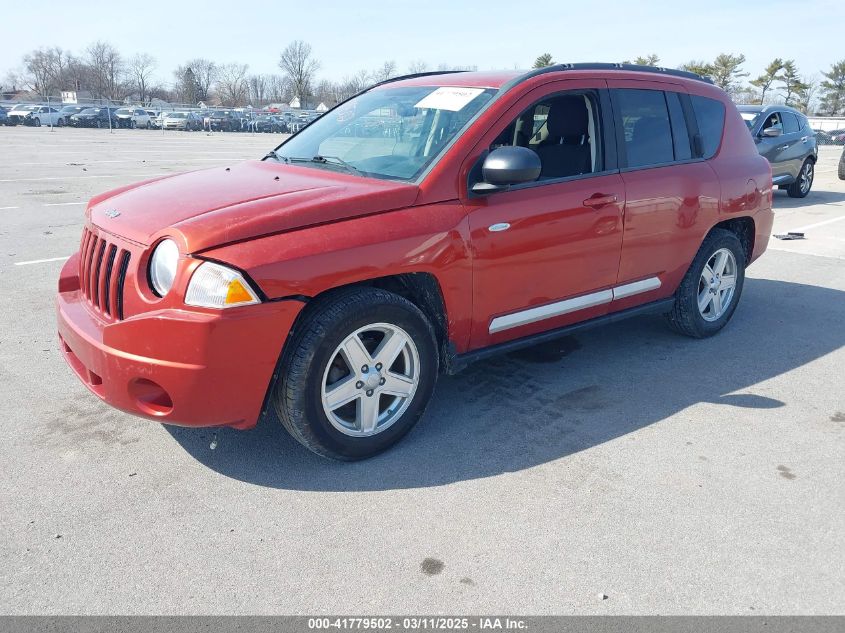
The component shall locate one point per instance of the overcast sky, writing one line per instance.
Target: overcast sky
(350, 36)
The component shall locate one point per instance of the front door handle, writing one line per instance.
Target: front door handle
(598, 200)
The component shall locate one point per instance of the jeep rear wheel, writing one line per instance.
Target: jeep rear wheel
(801, 187)
(357, 374)
(709, 293)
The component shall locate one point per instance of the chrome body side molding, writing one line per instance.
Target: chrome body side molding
(581, 302)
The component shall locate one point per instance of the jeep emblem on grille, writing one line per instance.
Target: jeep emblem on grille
(112, 213)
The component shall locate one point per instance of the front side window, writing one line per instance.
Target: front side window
(562, 130)
(389, 133)
(647, 129)
(773, 121)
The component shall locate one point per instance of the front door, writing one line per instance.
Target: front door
(546, 254)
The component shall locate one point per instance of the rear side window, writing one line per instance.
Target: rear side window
(646, 127)
(790, 123)
(710, 115)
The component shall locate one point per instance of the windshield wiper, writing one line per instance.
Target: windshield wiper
(335, 160)
(319, 159)
(272, 154)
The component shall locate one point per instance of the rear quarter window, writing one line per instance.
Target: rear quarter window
(710, 115)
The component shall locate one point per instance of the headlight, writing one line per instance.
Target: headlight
(216, 286)
(163, 266)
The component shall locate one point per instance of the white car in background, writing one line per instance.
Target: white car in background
(17, 114)
(43, 115)
(132, 118)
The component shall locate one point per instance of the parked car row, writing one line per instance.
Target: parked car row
(830, 137)
(136, 117)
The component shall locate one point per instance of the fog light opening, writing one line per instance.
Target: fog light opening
(150, 397)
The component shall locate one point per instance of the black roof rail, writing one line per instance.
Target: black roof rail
(672, 72)
(427, 73)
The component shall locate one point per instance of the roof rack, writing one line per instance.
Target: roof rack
(608, 66)
(428, 73)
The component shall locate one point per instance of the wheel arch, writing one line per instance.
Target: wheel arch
(745, 230)
(423, 289)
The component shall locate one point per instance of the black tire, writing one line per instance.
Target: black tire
(36, 122)
(795, 189)
(842, 167)
(685, 316)
(131, 124)
(297, 396)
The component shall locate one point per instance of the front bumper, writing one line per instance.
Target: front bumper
(186, 367)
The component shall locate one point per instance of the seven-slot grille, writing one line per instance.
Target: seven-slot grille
(102, 273)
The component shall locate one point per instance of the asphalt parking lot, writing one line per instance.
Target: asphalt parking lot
(624, 470)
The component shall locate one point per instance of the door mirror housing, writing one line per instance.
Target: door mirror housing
(506, 166)
(771, 132)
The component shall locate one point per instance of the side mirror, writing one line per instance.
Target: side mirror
(505, 166)
(771, 132)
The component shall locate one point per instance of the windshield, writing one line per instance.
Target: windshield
(391, 133)
(750, 118)
(176, 115)
(91, 111)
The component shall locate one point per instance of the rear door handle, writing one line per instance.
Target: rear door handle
(598, 200)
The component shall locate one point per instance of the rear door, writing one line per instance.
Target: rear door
(794, 149)
(671, 193)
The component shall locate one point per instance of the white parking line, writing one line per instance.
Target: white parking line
(4, 208)
(42, 261)
(131, 160)
(88, 177)
(61, 204)
(818, 224)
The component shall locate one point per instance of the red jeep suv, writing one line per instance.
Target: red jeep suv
(428, 222)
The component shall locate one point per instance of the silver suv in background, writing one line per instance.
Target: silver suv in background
(783, 135)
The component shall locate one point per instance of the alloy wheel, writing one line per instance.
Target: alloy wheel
(370, 380)
(717, 284)
(806, 177)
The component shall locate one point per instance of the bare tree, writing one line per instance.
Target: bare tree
(45, 69)
(195, 79)
(107, 70)
(258, 87)
(141, 68)
(417, 66)
(299, 67)
(385, 71)
(232, 86)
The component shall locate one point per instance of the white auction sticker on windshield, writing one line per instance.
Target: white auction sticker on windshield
(452, 99)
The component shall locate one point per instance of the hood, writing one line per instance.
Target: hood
(216, 206)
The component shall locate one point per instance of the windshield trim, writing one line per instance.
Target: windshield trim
(496, 94)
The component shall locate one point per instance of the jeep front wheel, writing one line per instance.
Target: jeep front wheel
(357, 374)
